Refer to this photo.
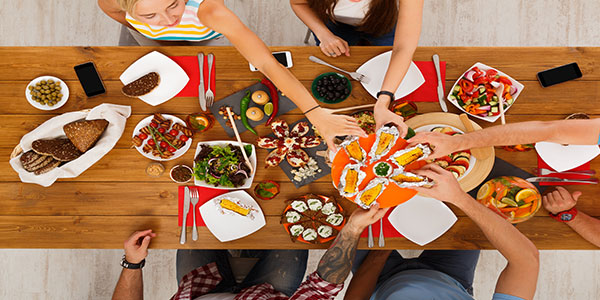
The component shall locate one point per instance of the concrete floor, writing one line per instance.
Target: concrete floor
(92, 274)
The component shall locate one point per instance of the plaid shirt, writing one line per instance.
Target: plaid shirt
(204, 279)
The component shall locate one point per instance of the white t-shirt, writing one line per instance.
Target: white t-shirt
(351, 12)
(217, 296)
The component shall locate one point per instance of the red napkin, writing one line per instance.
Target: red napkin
(388, 229)
(190, 65)
(427, 92)
(584, 167)
(205, 195)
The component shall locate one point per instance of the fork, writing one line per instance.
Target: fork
(544, 172)
(355, 75)
(194, 198)
(381, 237)
(210, 96)
(370, 242)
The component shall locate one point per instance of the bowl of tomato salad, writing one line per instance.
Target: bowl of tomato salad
(480, 90)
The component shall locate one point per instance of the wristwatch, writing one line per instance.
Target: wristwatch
(565, 216)
(127, 265)
(387, 93)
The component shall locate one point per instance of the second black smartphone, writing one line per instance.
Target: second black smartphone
(559, 74)
(90, 79)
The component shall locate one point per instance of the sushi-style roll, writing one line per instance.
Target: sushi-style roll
(374, 188)
(351, 178)
(354, 150)
(385, 140)
(407, 156)
(408, 180)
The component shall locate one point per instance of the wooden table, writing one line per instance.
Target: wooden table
(105, 204)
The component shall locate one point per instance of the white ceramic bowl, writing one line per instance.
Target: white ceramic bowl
(145, 122)
(252, 159)
(64, 89)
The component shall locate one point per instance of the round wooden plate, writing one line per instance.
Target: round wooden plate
(392, 195)
(482, 167)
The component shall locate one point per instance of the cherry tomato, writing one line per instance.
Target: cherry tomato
(163, 144)
(143, 136)
(184, 138)
(161, 130)
(153, 124)
(173, 132)
(171, 149)
(151, 143)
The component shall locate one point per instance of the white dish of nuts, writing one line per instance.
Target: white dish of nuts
(47, 93)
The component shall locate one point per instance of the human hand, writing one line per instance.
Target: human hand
(361, 218)
(445, 187)
(560, 200)
(136, 246)
(385, 116)
(331, 125)
(441, 144)
(334, 46)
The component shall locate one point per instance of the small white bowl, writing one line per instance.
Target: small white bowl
(63, 89)
(173, 168)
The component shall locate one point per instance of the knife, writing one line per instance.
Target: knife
(440, 87)
(201, 92)
(186, 210)
(563, 180)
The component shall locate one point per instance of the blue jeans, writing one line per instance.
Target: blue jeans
(353, 36)
(283, 269)
(458, 264)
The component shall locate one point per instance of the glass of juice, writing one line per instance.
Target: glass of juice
(511, 197)
(404, 108)
(200, 122)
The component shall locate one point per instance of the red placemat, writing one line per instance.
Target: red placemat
(205, 195)
(388, 229)
(584, 167)
(190, 65)
(427, 92)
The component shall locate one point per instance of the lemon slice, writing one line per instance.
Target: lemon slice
(499, 204)
(524, 194)
(509, 202)
(268, 108)
(485, 190)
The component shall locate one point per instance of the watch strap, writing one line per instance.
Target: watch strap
(387, 93)
(559, 216)
(127, 265)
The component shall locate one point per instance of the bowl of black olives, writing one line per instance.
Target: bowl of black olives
(331, 88)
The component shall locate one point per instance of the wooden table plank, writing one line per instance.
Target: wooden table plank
(109, 232)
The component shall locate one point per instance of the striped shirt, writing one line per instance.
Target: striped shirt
(189, 29)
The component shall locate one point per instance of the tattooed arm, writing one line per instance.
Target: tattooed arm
(336, 263)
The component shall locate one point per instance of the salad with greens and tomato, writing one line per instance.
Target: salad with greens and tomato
(222, 165)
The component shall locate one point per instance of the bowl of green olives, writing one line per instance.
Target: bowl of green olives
(47, 93)
(331, 88)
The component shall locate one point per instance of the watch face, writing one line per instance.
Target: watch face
(566, 217)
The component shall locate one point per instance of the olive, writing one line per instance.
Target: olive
(58, 88)
(60, 96)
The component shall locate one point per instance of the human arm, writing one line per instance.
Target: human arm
(331, 45)
(215, 15)
(406, 39)
(561, 200)
(365, 279)
(577, 132)
(113, 10)
(131, 285)
(519, 277)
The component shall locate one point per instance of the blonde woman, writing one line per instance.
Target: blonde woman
(198, 20)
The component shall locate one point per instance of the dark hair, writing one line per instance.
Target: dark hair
(380, 19)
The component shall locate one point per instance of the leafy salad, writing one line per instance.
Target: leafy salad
(222, 165)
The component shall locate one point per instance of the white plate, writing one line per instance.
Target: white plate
(375, 69)
(563, 158)
(422, 219)
(427, 128)
(64, 89)
(172, 77)
(231, 226)
(145, 122)
(484, 68)
(252, 159)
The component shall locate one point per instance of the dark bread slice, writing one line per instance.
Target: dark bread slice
(66, 152)
(142, 86)
(84, 133)
(29, 158)
(60, 149)
(47, 168)
(46, 160)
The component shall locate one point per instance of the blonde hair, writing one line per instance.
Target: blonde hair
(127, 5)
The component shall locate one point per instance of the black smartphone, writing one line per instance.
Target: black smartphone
(90, 79)
(559, 74)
